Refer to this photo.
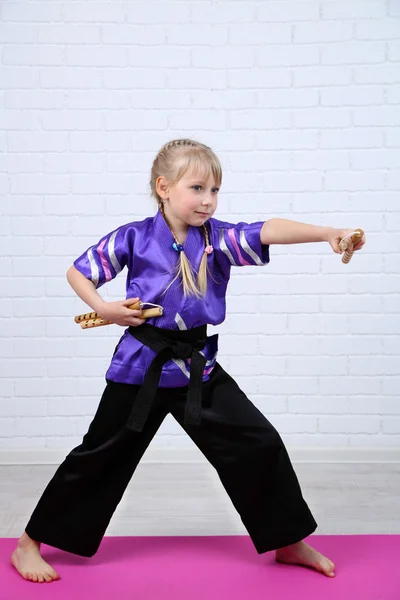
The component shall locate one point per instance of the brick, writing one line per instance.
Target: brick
(135, 78)
(289, 140)
(378, 116)
(346, 305)
(394, 51)
(376, 324)
(17, 33)
(63, 33)
(259, 118)
(110, 141)
(289, 56)
(204, 119)
(33, 226)
(13, 247)
(393, 94)
(196, 35)
(373, 180)
(259, 162)
(288, 98)
(287, 385)
(352, 138)
(321, 160)
(378, 74)
(297, 182)
(37, 141)
(32, 12)
(352, 96)
(366, 9)
(96, 56)
(165, 12)
(133, 35)
(101, 184)
(392, 264)
(259, 78)
(74, 163)
(391, 424)
(195, 79)
(33, 55)
(33, 99)
(394, 8)
(393, 180)
(377, 29)
(287, 11)
(229, 12)
(219, 99)
(287, 345)
(259, 33)
(353, 53)
(317, 324)
(322, 32)
(322, 76)
(67, 77)
(39, 184)
(102, 12)
(392, 137)
(19, 78)
(322, 117)
(349, 424)
(72, 120)
(222, 58)
(317, 366)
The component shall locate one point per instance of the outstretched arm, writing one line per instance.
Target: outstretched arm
(284, 231)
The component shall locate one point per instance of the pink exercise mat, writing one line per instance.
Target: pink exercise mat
(208, 568)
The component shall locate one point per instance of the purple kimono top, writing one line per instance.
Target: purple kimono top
(145, 248)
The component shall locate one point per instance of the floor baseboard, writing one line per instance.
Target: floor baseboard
(159, 454)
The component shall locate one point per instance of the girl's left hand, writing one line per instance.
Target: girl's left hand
(336, 235)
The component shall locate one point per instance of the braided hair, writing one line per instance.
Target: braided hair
(173, 160)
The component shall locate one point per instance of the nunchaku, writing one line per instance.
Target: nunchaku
(89, 320)
(347, 244)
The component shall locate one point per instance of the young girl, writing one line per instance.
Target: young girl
(180, 259)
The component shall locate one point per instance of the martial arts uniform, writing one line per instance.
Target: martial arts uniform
(169, 365)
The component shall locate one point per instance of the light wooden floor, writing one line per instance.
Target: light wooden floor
(188, 499)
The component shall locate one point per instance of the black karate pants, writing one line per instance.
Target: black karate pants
(244, 448)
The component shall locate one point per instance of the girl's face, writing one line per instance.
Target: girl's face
(191, 201)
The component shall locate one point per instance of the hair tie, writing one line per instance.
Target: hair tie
(177, 247)
(208, 249)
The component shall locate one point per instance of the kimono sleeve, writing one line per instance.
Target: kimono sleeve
(103, 261)
(240, 244)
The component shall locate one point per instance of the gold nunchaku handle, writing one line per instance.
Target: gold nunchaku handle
(92, 319)
(347, 244)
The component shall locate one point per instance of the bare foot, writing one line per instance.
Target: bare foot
(302, 554)
(28, 562)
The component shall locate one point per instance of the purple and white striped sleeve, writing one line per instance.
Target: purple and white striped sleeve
(240, 244)
(103, 261)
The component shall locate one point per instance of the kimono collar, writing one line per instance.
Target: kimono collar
(193, 246)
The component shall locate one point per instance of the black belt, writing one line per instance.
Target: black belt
(169, 344)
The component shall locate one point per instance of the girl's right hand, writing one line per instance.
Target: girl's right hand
(120, 314)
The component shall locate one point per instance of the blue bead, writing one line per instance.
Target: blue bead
(177, 247)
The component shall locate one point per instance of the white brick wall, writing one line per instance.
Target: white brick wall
(300, 99)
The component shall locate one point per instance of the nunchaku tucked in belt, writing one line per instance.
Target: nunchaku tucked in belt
(92, 319)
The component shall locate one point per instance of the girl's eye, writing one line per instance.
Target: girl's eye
(215, 190)
(197, 187)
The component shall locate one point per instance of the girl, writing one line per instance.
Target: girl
(180, 259)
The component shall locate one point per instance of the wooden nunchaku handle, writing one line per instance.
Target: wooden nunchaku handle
(92, 319)
(347, 244)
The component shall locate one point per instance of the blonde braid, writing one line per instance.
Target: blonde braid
(185, 269)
